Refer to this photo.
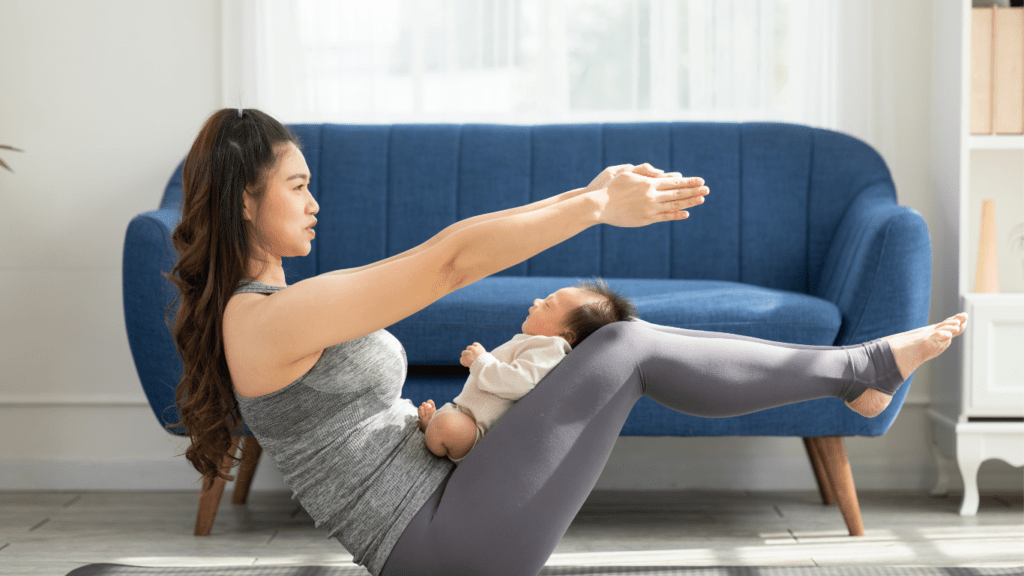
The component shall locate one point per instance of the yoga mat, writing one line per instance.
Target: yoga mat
(124, 570)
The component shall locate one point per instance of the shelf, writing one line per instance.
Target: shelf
(996, 297)
(996, 142)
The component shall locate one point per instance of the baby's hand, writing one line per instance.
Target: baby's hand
(470, 354)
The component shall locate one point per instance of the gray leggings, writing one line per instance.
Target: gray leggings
(507, 505)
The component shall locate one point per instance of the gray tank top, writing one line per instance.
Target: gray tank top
(347, 444)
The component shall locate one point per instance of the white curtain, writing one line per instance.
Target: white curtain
(539, 61)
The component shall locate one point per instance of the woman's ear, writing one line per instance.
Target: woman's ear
(248, 207)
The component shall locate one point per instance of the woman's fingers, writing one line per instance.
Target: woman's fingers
(679, 182)
(633, 199)
(646, 169)
(675, 205)
(689, 196)
(687, 202)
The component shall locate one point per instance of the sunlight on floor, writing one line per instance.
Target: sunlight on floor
(692, 557)
(159, 561)
(268, 560)
(877, 547)
(303, 559)
(972, 533)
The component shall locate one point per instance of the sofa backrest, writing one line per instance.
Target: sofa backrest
(778, 192)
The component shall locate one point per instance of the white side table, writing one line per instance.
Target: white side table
(990, 422)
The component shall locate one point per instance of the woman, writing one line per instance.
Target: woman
(318, 380)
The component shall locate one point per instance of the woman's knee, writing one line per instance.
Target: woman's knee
(617, 334)
(607, 359)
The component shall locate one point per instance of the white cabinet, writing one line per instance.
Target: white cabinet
(993, 375)
(977, 391)
(992, 394)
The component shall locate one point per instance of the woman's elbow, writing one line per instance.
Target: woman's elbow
(458, 272)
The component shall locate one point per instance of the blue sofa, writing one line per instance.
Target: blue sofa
(801, 240)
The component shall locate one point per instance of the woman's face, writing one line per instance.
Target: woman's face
(286, 217)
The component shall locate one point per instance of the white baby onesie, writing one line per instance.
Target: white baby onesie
(500, 377)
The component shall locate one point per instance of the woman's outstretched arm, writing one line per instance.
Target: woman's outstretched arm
(628, 200)
(597, 183)
(322, 311)
(470, 222)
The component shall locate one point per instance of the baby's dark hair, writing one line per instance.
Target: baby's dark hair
(585, 320)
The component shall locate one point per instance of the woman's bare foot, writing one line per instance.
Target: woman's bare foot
(911, 349)
(427, 410)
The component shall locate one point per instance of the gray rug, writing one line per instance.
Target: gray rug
(124, 570)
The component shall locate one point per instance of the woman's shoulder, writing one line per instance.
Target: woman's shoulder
(243, 305)
(247, 295)
(254, 372)
(239, 347)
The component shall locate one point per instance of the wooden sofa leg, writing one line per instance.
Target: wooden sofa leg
(209, 500)
(824, 485)
(837, 467)
(251, 451)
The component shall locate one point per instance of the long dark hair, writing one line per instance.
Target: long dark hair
(232, 155)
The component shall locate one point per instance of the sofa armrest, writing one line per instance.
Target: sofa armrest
(148, 252)
(878, 271)
(878, 268)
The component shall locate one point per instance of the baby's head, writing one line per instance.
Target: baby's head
(576, 312)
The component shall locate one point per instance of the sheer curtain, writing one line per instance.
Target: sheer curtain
(534, 61)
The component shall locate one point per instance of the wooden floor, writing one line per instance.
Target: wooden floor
(51, 533)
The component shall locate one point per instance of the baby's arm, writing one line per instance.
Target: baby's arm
(515, 379)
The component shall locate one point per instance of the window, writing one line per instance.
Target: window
(541, 61)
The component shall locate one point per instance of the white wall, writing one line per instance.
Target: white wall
(106, 97)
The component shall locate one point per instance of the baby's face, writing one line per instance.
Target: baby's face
(547, 316)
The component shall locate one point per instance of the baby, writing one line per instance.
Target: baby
(498, 379)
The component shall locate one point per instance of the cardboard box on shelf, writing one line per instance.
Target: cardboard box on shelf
(997, 70)
(981, 70)
(1008, 71)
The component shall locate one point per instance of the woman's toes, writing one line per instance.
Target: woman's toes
(958, 324)
(935, 344)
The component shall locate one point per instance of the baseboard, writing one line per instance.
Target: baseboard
(789, 473)
(621, 473)
(103, 475)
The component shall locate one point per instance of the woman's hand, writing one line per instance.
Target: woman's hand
(470, 354)
(631, 200)
(610, 172)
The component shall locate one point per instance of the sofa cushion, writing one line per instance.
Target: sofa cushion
(493, 310)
